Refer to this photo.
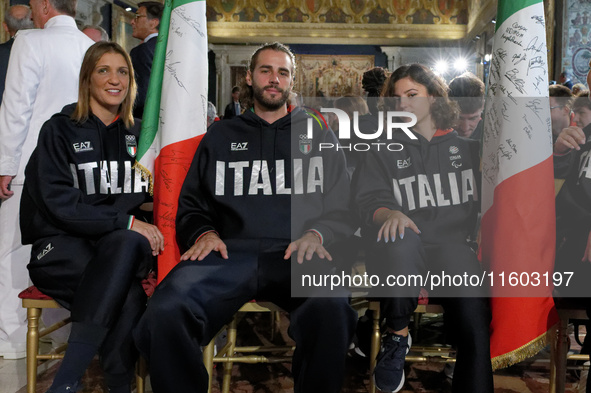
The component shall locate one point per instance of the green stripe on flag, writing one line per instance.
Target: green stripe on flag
(151, 117)
(507, 8)
(178, 3)
(152, 106)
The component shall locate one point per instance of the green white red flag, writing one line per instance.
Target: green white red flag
(518, 222)
(175, 114)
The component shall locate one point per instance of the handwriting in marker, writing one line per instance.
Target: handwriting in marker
(518, 58)
(513, 76)
(539, 19)
(171, 68)
(537, 62)
(504, 152)
(532, 46)
(535, 107)
(528, 128)
(194, 24)
(512, 145)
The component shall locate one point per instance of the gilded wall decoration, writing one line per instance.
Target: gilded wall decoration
(339, 11)
(331, 75)
(336, 21)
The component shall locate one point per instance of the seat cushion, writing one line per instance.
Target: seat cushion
(33, 293)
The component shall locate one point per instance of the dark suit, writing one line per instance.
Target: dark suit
(230, 111)
(4, 54)
(141, 58)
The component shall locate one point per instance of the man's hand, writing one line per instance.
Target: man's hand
(5, 193)
(568, 139)
(202, 247)
(587, 255)
(306, 246)
(152, 233)
(393, 222)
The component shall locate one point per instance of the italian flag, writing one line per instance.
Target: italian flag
(175, 114)
(518, 222)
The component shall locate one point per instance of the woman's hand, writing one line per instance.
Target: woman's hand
(206, 244)
(150, 232)
(306, 246)
(393, 222)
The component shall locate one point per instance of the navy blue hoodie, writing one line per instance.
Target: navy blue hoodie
(251, 179)
(573, 202)
(435, 183)
(80, 179)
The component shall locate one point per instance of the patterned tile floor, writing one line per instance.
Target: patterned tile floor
(530, 376)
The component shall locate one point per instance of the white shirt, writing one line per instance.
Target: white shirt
(42, 78)
(150, 36)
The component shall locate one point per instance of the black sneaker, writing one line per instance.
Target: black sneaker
(389, 372)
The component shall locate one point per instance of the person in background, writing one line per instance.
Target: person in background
(42, 77)
(95, 33)
(372, 82)
(90, 252)
(351, 105)
(564, 79)
(410, 202)
(211, 114)
(468, 91)
(581, 107)
(233, 108)
(145, 26)
(577, 88)
(17, 17)
(573, 207)
(560, 109)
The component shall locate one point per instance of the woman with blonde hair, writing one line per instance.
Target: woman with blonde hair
(78, 210)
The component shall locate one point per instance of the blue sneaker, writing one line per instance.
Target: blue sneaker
(389, 372)
(67, 388)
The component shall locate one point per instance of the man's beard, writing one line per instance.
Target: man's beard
(270, 104)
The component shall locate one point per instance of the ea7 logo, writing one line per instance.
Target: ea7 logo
(239, 146)
(82, 146)
(401, 164)
(45, 251)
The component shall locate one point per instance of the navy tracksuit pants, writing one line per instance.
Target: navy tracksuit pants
(198, 298)
(467, 312)
(99, 281)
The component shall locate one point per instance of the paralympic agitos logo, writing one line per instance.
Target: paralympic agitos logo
(345, 125)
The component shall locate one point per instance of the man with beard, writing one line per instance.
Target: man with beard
(246, 194)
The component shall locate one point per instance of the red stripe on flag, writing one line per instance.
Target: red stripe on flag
(517, 322)
(170, 169)
(518, 235)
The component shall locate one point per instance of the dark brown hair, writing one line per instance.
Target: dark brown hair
(444, 112)
(246, 92)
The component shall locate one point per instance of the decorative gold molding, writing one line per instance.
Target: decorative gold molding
(292, 33)
(480, 13)
(3, 9)
(336, 11)
(401, 11)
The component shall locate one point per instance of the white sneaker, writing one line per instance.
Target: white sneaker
(11, 351)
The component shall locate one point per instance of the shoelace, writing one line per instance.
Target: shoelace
(393, 355)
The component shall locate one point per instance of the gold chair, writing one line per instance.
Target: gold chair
(567, 309)
(35, 301)
(232, 353)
